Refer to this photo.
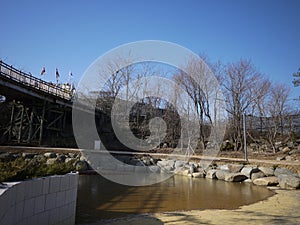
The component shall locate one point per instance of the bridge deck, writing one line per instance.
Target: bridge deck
(16, 82)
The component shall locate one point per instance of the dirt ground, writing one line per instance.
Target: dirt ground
(257, 155)
(239, 154)
(282, 208)
(256, 158)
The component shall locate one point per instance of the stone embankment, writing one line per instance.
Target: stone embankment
(258, 175)
(76, 159)
(275, 175)
(49, 158)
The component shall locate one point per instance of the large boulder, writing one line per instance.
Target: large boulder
(286, 150)
(61, 158)
(248, 170)
(166, 169)
(224, 167)
(248, 181)
(288, 158)
(279, 171)
(181, 171)
(39, 158)
(235, 177)
(235, 168)
(179, 164)
(266, 181)
(28, 155)
(166, 163)
(280, 158)
(198, 175)
(50, 155)
(81, 165)
(289, 181)
(268, 171)
(257, 175)
(51, 161)
(70, 160)
(6, 157)
(124, 159)
(72, 155)
(206, 165)
(211, 174)
(147, 160)
(220, 174)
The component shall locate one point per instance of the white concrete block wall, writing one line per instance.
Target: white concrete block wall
(47, 200)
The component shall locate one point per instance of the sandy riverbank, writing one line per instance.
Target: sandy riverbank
(282, 208)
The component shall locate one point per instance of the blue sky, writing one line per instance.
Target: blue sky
(70, 35)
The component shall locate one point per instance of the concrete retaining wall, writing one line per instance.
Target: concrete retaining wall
(48, 200)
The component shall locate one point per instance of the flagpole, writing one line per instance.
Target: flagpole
(57, 76)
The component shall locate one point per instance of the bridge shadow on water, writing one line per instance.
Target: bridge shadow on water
(101, 200)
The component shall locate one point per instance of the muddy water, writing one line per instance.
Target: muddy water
(100, 199)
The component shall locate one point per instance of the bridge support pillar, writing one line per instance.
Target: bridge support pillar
(21, 124)
(30, 125)
(11, 120)
(42, 124)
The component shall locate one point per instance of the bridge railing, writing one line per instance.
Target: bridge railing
(33, 82)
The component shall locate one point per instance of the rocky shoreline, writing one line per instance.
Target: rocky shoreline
(274, 176)
(17, 166)
(259, 175)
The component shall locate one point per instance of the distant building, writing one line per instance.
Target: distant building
(290, 123)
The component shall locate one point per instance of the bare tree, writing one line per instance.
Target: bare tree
(257, 108)
(119, 76)
(275, 111)
(198, 81)
(240, 82)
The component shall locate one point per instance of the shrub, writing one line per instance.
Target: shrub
(20, 169)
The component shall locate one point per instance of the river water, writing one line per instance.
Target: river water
(100, 199)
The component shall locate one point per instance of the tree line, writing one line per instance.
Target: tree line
(234, 90)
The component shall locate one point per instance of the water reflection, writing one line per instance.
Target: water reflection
(99, 198)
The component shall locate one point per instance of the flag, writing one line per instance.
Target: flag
(57, 75)
(70, 76)
(43, 71)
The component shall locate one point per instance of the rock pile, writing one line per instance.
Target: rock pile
(266, 176)
(49, 158)
(258, 175)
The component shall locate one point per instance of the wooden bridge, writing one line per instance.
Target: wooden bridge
(33, 111)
